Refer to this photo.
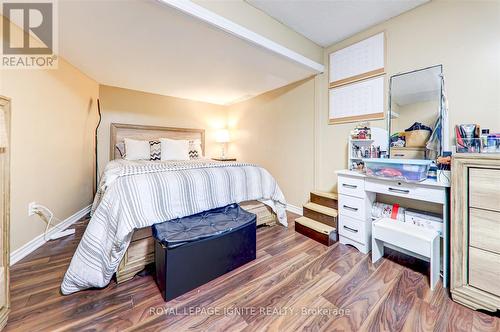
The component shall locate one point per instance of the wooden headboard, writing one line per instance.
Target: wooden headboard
(120, 131)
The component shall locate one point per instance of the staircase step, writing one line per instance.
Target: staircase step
(315, 230)
(315, 225)
(325, 199)
(321, 209)
(325, 194)
(323, 214)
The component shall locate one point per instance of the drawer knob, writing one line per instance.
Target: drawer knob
(401, 191)
(351, 229)
(351, 186)
(350, 208)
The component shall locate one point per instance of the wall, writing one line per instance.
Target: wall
(256, 20)
(275, 130)
(461, 35)
(53, 115)
(120, 105)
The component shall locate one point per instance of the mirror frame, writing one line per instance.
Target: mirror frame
(442, 109)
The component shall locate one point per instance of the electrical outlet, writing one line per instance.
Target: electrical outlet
(31, 208)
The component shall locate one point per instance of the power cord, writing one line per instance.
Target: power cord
(48, 217)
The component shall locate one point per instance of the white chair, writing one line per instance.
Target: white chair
(417, 241)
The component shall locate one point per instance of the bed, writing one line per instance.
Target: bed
(134, 195)
(140, 252)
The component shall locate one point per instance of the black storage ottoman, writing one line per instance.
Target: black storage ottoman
(191, 251)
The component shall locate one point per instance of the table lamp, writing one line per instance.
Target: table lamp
(222, 136)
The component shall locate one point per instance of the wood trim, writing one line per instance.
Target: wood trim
(5, 103)
(475, 299)
(117, 126)
(365, 117)
(357, 78)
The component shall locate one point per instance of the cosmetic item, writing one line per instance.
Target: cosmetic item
(484, 136)
(491, 144)
(467, 136)
(432, 173)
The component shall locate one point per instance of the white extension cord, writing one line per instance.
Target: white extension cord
(39, 210)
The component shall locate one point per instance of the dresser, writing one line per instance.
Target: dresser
(475, 231)
(357, 193)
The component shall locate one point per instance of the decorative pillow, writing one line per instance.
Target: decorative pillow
(172, 149)
(195, 150)
(120, 147)
(137, 150)
(155, 150)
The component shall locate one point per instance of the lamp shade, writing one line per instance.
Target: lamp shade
(222, 136)
(4, 141)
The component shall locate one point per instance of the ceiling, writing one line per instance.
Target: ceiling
(161, 47)
(148, 46)
(328, 22)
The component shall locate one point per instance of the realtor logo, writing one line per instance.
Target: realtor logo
(28, 35)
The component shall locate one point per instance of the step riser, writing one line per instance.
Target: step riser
(320, 217)
(328, 202)
(312, 234)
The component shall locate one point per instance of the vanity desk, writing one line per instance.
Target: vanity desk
(357, 193)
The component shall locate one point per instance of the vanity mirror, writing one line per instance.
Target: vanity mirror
(417, 114)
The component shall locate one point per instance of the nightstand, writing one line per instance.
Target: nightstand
(224, 159)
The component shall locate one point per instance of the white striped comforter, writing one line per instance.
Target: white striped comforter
(139, 194)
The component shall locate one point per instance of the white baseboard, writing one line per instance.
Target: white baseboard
(294, 209)
(37, 242)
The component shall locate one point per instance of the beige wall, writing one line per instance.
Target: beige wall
(461, 35)
(134, 107)
(256, 20)
(275, 130)
(53, 113)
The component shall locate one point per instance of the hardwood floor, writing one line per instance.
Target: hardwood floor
(294, 284)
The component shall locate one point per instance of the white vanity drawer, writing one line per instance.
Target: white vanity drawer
(353, 229)
(353, 207)
(351, 186)
(434, 194)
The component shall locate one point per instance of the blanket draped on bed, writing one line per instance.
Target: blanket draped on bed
(139, 194)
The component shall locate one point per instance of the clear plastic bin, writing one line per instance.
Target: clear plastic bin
(408, 170)
(489, 144)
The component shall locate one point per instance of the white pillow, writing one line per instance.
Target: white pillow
(173, 149)
(137, 150)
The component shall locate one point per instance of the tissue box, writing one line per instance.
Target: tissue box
(425, 220)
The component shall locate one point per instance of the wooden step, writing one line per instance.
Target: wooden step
(313, 224)
(325, 194)
(323, 214)
(321, 209)
(325, 199)
(315, 230)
